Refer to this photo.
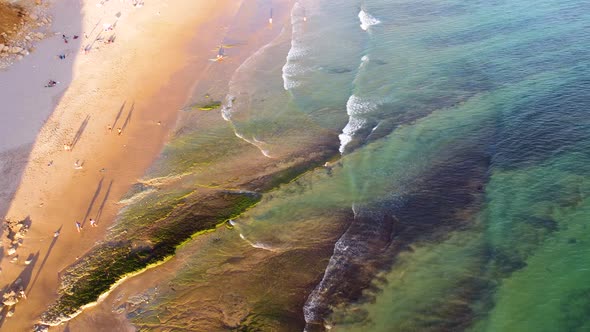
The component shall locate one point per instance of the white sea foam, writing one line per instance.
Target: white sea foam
(315, 300)
(258, 245)
(227, 108)
(354, 124)
(297, 52)
(257, 143)
(355, 106)
(239, 85)
(375, 128)
(242, 77)
(364, 60)
(367, 20)
(351, 249)
(137, 197)
(226, 114)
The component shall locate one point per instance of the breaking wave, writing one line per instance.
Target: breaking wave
(357, 254)
(367, 20)
(355, 106)
(238, 86)
(298, 50)
(258, 245)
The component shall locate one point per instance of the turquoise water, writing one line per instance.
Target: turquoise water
(455, 191)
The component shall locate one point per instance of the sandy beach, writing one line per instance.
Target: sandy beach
(136, 84)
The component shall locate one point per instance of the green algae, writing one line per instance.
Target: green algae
(147, 245)
(209, 106)
(150, 230)
(150, 210)
(194, 150)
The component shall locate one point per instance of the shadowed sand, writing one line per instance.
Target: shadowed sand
(145, 66)
(26, 103)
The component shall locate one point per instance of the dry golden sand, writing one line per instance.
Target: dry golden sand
(142, 69)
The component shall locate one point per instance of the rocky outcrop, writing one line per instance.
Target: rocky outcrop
(18, 36)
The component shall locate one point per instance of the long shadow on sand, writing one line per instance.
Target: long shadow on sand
(23, 280)
(128, 118)
(119, 114)
(104, 201)
(96, 192)
(80, 131)
(45, 258)
(22, 89)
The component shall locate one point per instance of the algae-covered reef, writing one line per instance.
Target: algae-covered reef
(134, 250)
(149, 231)
(206, 106)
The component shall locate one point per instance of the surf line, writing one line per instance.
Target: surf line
(226, 115)
(257, 245)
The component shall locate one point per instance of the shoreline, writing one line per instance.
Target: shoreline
(78, 189)
(197, 203)
(256, 173)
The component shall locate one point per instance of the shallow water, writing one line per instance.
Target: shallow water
(454, 194)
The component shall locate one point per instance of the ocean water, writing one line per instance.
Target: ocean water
(454, 137)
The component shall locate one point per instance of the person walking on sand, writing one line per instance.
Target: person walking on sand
(110, 128)
(119, 131)
(92, 222)
(78, 226)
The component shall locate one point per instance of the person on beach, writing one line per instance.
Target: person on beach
(110, 128)
(21, 293)
(77, 165)
(92, 222)
(78, 226)
(67, 147)
(270, 18)
(119, 131)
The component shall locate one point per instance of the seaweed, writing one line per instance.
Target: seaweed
(214, 104)
(151, 229)
(110, 262)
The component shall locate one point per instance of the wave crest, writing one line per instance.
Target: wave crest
(355, 106)
(367, 20)
(297, 51)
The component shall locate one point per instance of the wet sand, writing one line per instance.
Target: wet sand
(136, 84)
(246, 166)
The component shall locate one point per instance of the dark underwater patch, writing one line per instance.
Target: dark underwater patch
(544, 127)
(444, 201)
